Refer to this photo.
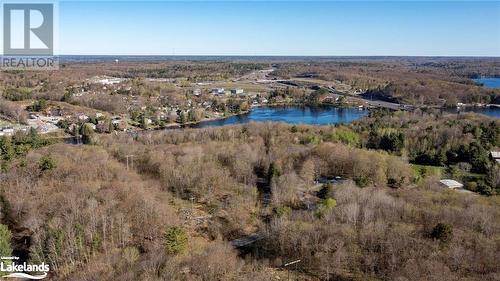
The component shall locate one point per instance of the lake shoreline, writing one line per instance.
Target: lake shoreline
(488, 82)
(293, 114)
(276, 105)
(201, 124)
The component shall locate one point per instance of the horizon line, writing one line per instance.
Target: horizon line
(233, 55)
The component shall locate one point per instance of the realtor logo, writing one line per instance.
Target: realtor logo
(28, 33)
(28, 29)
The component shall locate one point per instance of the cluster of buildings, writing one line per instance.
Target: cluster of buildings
(52, 120)
(223, 92)
(44, 124)
(106, 80)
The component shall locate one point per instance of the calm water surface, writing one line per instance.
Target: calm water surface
(292, 114)
(489, 82)
(488, 111)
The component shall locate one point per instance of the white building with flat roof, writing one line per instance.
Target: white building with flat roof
(452, 184)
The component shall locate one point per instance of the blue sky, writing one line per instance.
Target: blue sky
(279, 28)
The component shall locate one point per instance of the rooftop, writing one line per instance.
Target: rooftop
(451, 183)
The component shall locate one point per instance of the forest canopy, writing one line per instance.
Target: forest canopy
(166, 205)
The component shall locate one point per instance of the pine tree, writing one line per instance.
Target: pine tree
(5, 248)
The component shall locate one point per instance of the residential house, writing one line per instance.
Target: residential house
(495, 156)
(218, 91)
(7, 131)
(237, 91)
(83, 117)
(116, 120)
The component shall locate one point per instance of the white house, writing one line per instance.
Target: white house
(451, 184)
(218, 91)
(237, 91)
(6, 131)
(83, 117)
(495, 155)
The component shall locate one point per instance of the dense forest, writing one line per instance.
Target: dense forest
(165, 205)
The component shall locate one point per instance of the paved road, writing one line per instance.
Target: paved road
(373, 103)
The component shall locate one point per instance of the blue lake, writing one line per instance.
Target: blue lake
(323, 115)
(488, 111)
(489, 82)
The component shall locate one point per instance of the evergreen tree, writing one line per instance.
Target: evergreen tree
(175, 240)
(5, 248)
(7, 150)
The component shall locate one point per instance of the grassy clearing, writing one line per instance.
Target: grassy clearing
(423, 171)
(5, 123)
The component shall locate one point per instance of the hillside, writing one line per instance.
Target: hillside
(164, 206)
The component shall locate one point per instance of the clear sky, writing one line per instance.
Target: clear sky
(279, 28)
